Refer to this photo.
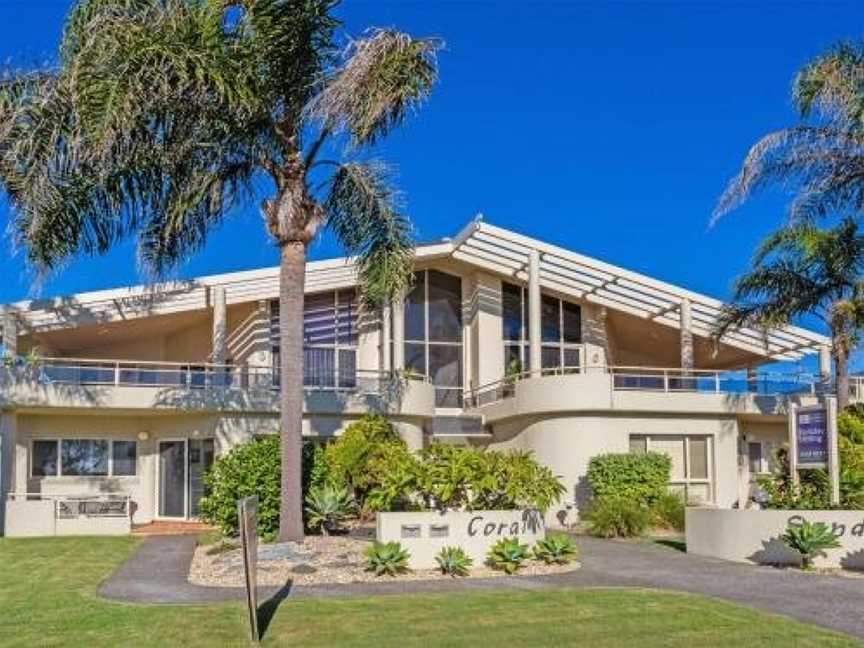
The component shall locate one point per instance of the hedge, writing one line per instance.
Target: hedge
(640, 477)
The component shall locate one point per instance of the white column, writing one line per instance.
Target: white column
(8, 433)
(9, 332)
(220, 325)
(398, 325)
(825, 362)
(534, 323)
(386, 320)
(686, 335)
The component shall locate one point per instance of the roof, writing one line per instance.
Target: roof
(479, 244)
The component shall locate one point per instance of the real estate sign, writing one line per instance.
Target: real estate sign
(811, 429)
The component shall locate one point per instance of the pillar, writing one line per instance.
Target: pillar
(9, 333)
(825, 362)
(220, 325)
(386, 335)
(8, 481)
(534, 312)
(686, 334)
(397, 323)
(411, 434)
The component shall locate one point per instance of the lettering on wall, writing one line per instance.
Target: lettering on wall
(837, 528)
(532, 521)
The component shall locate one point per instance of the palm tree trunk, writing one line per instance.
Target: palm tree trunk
(292, 276)
(841, 361)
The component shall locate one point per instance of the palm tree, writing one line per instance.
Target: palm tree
(823, 159)
(804, 270)
(163, 117)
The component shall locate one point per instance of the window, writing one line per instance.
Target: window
(691, 457)
(560, 331)
(84, 458)
(433, 333)
(756, 456)
(329, 339)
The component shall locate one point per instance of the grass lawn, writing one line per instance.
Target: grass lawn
(47, 597)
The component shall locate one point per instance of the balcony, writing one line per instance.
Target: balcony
(120, 384)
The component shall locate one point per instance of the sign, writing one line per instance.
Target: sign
(247, 512)
(811, 437)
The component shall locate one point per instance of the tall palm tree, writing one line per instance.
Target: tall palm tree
(805, 270)
(163, 117)
(822, 159)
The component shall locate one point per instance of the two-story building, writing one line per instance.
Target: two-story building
(504, 341)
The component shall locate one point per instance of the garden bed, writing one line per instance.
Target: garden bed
(321, 560)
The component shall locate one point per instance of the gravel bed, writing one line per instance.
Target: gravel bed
(319, 560)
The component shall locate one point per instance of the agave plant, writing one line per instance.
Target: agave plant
(328, 506)
(810, 539)
(556, 548)
(507, 555)
(453, 561)
(387, 558)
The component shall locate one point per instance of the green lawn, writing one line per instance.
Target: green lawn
(47, 597)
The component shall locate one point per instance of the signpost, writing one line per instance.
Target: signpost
(813, 442)
(247, 511)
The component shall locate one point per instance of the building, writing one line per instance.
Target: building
(504, 341)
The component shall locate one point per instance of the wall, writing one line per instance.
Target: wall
(566, 443)
(752, 536)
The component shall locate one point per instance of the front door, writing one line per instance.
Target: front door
(182, 465)
(172, 478)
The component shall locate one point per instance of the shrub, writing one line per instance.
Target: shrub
(508, 555)
(453, 561)
(556, 548)
(669, 511)
(810, 540)
(386, 558)
(249, 469)
(316, 471)
(616, 517)
(641, 477)
(327, 506)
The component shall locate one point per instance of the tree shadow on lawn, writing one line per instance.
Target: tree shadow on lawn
(267, 609)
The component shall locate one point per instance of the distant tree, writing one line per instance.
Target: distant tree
(164, 116)
(821, 159)
(803, 270)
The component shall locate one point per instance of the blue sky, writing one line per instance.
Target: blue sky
(608, 128)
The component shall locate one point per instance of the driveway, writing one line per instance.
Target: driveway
(156, 573)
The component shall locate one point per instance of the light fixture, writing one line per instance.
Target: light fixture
(143, 436)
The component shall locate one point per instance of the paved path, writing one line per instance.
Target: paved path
(156, 573)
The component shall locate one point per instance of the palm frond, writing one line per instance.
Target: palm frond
(362, 212)
(831, 85)
(385, 76)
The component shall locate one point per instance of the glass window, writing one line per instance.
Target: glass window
(512, 360)
(347, 368)
(638, 444)
(319, 366)
(319, 319)
(754, 452)
(511, 312)
(124, 457)
(415, 358)
(571, 317)
(550, 357)
(44, 459)
(572, 357)
(84, 457)
(415, 311)
(550, 319)
(445, 365)
(674, 447)
(445, 307)
(698, 460)
(346, 316)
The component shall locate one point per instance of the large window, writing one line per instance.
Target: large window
(691, 457)
(329, 339)
(84, 458)
(560, 331)
(433, 333)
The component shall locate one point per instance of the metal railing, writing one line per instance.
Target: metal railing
(68, 507)
(673, 380)
(122, 373)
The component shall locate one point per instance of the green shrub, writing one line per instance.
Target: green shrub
(556, 548)
(508, 555)
(386, 558)
(252, 468)
(616, 517)
(453, 561)
(327, 506)
(669, 511)
(462, 478)
(316, 471)
(810, 540)
(641, 477)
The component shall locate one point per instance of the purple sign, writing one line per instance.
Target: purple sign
(812, 439)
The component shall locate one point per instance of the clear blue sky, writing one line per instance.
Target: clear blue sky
(608, 128)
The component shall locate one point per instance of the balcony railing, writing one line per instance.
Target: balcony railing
(68, 507)
(674, 381)
(121, 373)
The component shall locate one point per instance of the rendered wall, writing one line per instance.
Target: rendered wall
(751, 536)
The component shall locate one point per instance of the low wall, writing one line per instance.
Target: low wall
(36, 518)
(753, 536)
(425, 534)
